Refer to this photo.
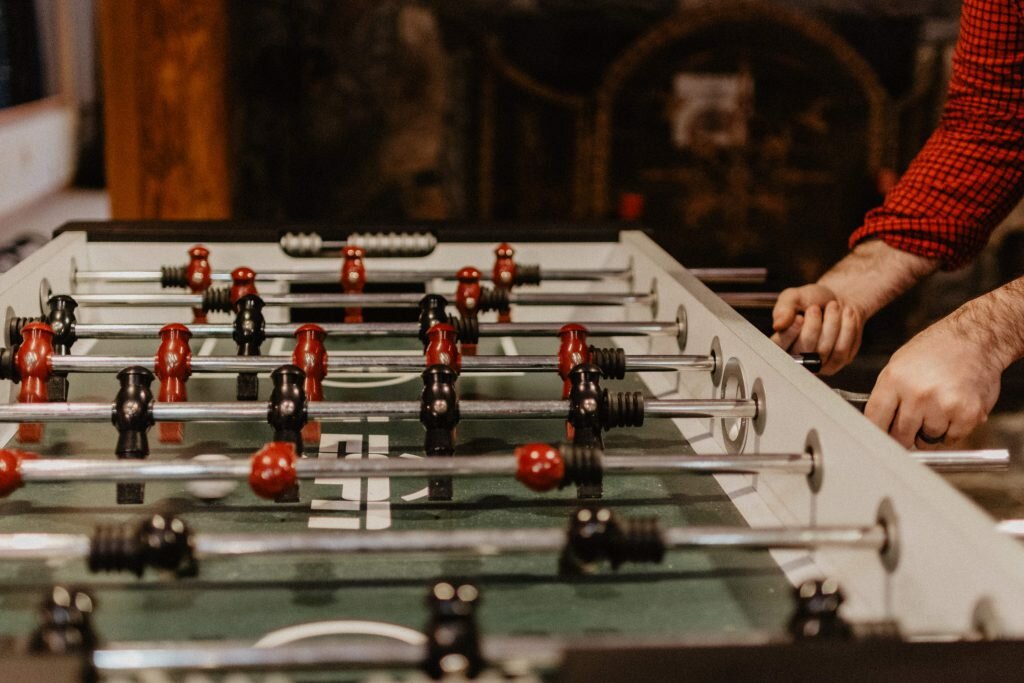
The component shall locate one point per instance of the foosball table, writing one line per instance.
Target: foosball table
(544, 460)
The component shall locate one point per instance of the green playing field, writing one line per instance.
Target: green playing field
(691, 592)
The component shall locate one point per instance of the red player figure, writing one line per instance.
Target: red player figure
(197, 275)
(10, 469)
(33, 362)
(539, 466)
(311, 356)
(272, 470)
(173, 367)
(243, 283)
(504, 275)
(353, 279)
(572, 351)
(442, 347)
(467, 299)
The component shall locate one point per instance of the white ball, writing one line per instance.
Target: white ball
(211, 490)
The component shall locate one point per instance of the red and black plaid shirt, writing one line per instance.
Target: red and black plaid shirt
(970, 174)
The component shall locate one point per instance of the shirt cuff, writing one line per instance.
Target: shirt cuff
(919, 242)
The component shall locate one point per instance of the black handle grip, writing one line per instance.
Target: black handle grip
(811, 361)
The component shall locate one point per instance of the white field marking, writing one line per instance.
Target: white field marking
(508, 347)
(798, 565)
(415, 495)
(378, 489)
(387, 379)
(7, 433)
(341, 627)
(340, 523)
(336, 506)
(697, 438)
(392, 380)
(334, 521)
(207, 347)
(277, 347)
(84, 347)
(350, 487)
(383, 379)
(329, 449)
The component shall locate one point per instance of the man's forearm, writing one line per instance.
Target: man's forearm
(874, 274)
(994, 322)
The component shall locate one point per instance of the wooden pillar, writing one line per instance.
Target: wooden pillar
(164, 70)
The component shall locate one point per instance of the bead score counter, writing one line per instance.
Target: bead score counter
(554, 460)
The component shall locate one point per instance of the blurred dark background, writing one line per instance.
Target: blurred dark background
(730, 128)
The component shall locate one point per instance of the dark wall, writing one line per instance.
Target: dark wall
(338, 109)
(21, 77)
(395, 110)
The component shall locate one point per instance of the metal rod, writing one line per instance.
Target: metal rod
(411, 409)
(471, 541)
(494, 542)
(539, 652)
(989, 460)
(278, 330)
(790, 538)
(71, 470)
(197, 656)
(418, 275)
(58, 412)
(152, 331)
(750, 300)
(388, 300)
(750, 276)
(365, 364)
(134, 276)
(67, 470)
(580, 299)
(56, 470)
(210, 412)
(135, 299)
(329, 411)
(735, 408)
(32, 546)
(654, 363)
(505, 541)
(486, 542)
(412, 275)
(1012, 527)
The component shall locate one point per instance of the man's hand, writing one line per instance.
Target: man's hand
(828, 317)
(944, 381)
(812, 319)
(937, 388)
